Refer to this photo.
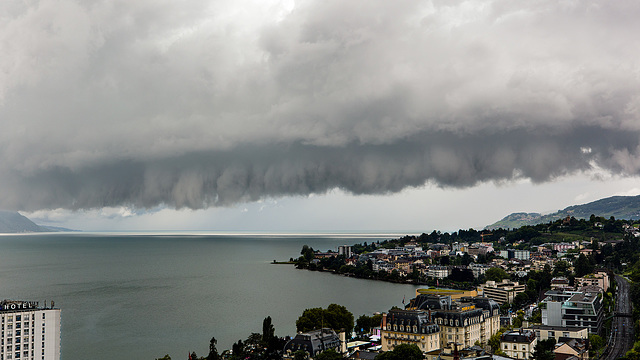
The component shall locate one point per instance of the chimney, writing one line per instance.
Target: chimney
(384, 321)
(343, 342)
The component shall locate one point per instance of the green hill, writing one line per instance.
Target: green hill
(620, 207)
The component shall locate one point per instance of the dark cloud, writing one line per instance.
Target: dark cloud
(218, 178)
(201, 104)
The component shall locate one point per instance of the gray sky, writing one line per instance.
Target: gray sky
(314, 115)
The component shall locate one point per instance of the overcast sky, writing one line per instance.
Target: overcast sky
(314, 115)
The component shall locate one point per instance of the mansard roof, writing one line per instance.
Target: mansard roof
(418, 318)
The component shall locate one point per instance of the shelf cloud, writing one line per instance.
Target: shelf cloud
(196, 104)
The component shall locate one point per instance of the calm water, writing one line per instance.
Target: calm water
(143, 296)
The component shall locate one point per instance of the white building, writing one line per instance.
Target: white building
(522, 254)
(519, 344)
(29, 332)
(344, 250)
(437, 271)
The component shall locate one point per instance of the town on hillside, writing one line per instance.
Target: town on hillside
(548, 292)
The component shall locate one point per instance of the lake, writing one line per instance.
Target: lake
(141, 296)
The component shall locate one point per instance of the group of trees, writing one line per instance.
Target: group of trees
(335, 317)
(258, 346)
(365, 323)
(402, 352)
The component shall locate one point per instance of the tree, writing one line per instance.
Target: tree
(596, 342)
(583, 266)
(268, 331)
(544, 349)
(520, 300)
(213, 352)
(496, 274)
(494, 341)
(517, 322)
(300, 355)
(561, 268)
(335, 317)
(461, 275)
(166, 357)
(329, 355)
(444, 260)
(307, 252)
(365, 323)
(238, 350)
(402, 352)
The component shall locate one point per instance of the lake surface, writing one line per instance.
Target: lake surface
(142, 296)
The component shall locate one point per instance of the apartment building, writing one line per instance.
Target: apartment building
(600, 279)
(436, 321)
(503, 292)
(545, 332)
(573, 308)
(518, 344)
(409, 327)
(29, 332)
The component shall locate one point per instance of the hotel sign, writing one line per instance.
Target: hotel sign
(19, 305)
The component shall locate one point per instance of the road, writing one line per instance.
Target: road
(622, 326)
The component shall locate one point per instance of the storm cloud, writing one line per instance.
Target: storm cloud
(197, 104)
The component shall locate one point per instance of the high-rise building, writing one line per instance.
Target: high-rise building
(29, 332)
(344, 250)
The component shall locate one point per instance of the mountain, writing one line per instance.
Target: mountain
(620, 207)
(13, 222)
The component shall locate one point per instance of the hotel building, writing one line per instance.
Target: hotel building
(29, 332)
(434, 322)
